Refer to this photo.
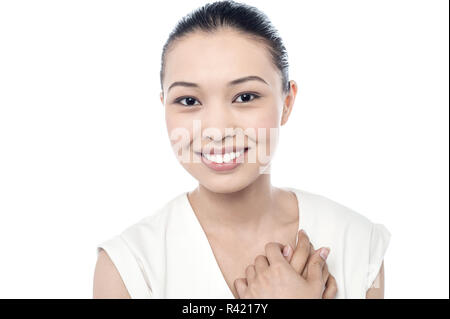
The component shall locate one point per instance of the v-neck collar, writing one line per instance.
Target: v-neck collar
(211, 266)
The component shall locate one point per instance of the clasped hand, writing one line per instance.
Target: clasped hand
(288, 273)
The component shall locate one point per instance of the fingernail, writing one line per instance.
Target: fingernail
(324, 253)
(304, 232)
(286, 250)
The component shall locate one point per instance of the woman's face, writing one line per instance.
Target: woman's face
(212, 115)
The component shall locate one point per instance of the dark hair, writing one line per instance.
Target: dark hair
(243, 18)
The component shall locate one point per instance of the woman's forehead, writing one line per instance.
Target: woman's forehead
(222, 56)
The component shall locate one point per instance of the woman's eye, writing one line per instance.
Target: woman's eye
(189, 100)
(247, 97)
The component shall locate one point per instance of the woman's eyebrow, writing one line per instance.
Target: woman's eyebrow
(234, 82)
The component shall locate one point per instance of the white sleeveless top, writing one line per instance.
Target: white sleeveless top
(167, 254)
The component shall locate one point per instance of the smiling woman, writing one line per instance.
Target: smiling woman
(226, 93)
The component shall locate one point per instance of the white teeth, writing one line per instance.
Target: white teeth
(225, 158)
(218, 158)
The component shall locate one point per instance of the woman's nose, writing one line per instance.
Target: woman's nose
(218, 121)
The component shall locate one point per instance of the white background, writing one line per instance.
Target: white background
(84, 151)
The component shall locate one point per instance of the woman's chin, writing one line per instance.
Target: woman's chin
(224, 188)
(230, 184)
(224, 181)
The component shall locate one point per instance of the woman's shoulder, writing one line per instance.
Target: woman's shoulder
(315, 208)
(148, 233)
(161, 219)
(332, 223)
(357, 244)
(138, 251)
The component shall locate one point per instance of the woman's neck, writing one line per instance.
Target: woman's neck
(247, 209)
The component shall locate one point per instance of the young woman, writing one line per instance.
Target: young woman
(225, 90)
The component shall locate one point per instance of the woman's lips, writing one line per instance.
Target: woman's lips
(232, 164)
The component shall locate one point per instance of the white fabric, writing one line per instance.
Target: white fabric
(167, 254)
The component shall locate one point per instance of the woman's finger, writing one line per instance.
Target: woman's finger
(287, 252)
(330, 288)
(274, 253)
(311, 252)
(325, 273)
(241, 286)
(261, 263)
(301, 252)
(315, 266)
(250, 273)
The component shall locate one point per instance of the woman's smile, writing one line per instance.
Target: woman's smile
(223, 160)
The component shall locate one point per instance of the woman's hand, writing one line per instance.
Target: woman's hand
(300, 274)
(300, 261)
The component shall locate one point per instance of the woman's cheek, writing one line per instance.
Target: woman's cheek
(267, 132)
(180, 136)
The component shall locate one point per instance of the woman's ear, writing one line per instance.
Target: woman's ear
(161, 96)
(289, 102)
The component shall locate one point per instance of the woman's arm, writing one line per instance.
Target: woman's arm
(107, 281)
(376, 291)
